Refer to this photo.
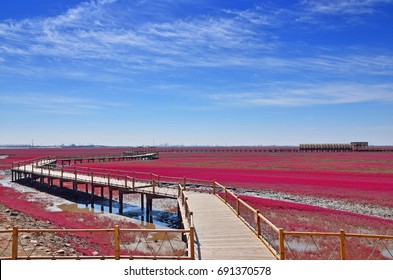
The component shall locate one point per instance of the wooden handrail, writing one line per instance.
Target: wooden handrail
(15, 231)
(269, 223)
(245, 204)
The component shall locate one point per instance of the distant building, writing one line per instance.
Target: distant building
(353, 146)
(359, 146)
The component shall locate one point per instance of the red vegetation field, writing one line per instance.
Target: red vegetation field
(84, 243)
(15, 155)
(361, 178)
(301, 217)
(353, 177)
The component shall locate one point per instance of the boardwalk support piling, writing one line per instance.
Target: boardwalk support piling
(120, 202)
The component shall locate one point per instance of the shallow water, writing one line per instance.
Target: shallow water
(81, 202)
(387, 253)
(160, 219)
(5, 182)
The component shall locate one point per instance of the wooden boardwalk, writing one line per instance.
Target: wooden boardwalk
(220, 234)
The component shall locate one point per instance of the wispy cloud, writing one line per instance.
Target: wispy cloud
(93, 32)
(105, 41)
(307, 95)
(60, 104)
(342, 7)
(85, 32)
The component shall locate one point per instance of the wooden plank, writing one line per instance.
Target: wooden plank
(220, 234)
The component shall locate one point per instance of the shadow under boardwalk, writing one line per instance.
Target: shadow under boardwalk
(220, 234)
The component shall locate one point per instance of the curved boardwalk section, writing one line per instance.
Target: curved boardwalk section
(220, 234)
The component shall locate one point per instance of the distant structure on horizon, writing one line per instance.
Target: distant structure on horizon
(353, 146)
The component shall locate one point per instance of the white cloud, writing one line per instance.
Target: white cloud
(92, 31)
(342, 7)
(307, 94)
(57, 103)
(93, 41)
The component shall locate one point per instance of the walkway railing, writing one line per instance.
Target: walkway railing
(117, 243)
(305, 245)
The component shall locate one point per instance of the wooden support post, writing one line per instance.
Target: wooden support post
(102, 191)
(237, 203)
(125, 181)
(62, 171)
(178, 212)
(109, 180)
(185, 184)
(281, 240)
(121, 202)
(192, 243)
(149, 202)
(186, 206)
(151, 211)
(117, 242)
(343, 242)
(133, 183)
(110, 199)
(226, 195)
(258, 222)
(14, 243)
(142, 202)
(92, 196)
(214, 187)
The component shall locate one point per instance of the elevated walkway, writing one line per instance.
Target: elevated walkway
(220, 234)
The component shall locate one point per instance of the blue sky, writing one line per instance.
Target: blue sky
(196, 72)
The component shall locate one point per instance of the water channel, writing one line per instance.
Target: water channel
(164, 214)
